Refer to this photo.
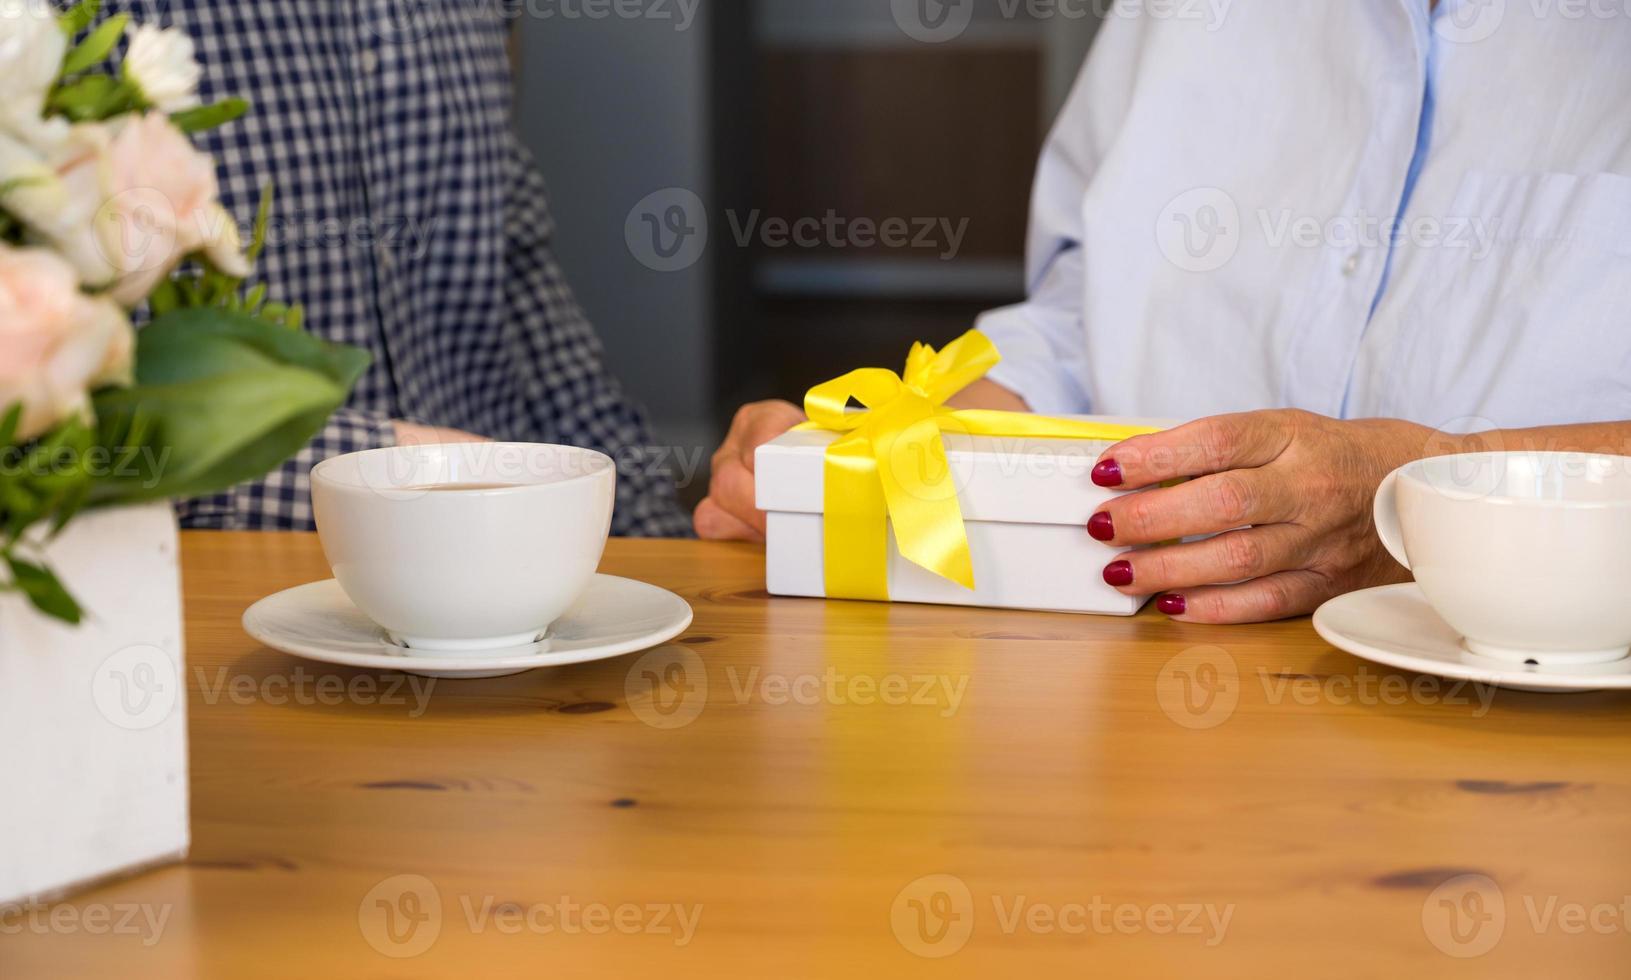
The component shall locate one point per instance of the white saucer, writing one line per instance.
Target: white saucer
(615, 616)
(1393, 625)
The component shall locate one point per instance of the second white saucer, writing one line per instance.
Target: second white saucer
(615, 616)
(1393, 625)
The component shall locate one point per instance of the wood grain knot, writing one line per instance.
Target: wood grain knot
(1428, 878)
(697, 641)
(718, 594)
(282, 864)
(1497, 787)
(585, 708)
(406, 784)
(624, 802)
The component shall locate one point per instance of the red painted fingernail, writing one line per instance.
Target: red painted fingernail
(1101, 527)
(1108, 474)
(1172, 604)
(1119, 574)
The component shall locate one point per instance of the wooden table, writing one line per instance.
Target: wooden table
(799, 788)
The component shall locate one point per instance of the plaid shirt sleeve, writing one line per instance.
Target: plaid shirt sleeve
(282, 499)
(570, 395)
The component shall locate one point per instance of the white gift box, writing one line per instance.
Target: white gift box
(93, 717)
(1025, 502)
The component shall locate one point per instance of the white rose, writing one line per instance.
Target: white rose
(161, 64)
(57, 345)
(32, 46)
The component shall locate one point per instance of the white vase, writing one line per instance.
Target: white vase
(93, 718)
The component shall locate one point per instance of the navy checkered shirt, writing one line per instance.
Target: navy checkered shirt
(410, 222)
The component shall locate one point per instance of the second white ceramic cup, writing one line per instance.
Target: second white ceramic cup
(464, 570)
(1527, 555)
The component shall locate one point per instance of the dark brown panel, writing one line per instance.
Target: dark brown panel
(815, 340)
(913, 133)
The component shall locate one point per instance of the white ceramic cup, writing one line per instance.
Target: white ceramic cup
(467, 570)
(1527, 555)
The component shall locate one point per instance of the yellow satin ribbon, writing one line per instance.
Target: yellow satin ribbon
(889, 466)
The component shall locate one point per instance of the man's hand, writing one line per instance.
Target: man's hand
(1288, 494)
(411, 434)
(729, 513)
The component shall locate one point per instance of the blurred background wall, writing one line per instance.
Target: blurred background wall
(685, 140)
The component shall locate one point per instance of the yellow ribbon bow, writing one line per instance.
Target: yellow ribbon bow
(889, 466)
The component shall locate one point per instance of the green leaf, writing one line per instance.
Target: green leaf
(79, 16)
(164, 298)
(204, 117)
(19, 501)
(228, 397)
(97, 45)
(43, 589)
(92, 98)
(15, 183)
(192, 292)
(69, 506)
(263, 214)
(8, 424)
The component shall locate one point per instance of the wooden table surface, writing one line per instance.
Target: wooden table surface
(800, 788)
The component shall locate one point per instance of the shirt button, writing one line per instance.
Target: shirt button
(369, 62)
(1351, 266)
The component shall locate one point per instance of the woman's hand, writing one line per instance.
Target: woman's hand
(730, 511)
(1289, 495)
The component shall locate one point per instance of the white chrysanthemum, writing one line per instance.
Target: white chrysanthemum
(162, 65)
(56, 194)
(32, 46)
(222, 244)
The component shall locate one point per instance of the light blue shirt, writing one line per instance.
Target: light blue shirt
(1356, 208)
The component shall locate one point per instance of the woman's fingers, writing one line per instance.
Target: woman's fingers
(1233, 557)
(1211, 445)
(1278, 596)
(1209, 505)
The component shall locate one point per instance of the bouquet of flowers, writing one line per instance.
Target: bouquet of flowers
(106, 207)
